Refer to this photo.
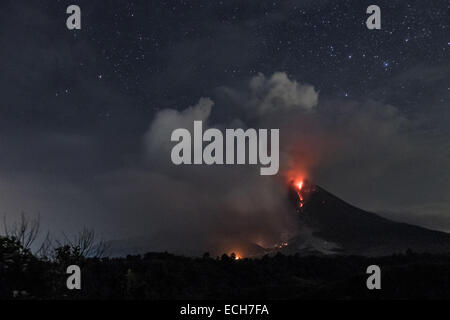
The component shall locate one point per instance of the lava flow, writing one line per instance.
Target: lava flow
(300, 191)
(298, 188)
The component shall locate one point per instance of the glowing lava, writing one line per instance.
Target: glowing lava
(282, 244)
(298, 187)
(302, 189)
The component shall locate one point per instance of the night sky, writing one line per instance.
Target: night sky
(76, 106)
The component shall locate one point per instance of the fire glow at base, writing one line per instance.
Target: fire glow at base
(300, 189)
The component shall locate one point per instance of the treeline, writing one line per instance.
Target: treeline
(41, 273)
(23, 275)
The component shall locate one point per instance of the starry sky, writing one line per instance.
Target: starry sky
(76, 104)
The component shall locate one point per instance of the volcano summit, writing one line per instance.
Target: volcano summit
(330, 225)
(327, 225)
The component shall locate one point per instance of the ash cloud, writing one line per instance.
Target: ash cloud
(357, 150)
(280, 94)
(85, 157)
(212, 205)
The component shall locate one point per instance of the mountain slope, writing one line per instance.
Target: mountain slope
(346, 229)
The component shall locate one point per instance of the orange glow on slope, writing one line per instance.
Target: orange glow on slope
(298, 186)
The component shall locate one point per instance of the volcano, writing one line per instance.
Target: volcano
(329, 225)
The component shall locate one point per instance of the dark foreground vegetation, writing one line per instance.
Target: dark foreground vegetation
(165, 276)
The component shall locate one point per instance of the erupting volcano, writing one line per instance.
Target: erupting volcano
(325, 224)
(300, 190)
(329, 225)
